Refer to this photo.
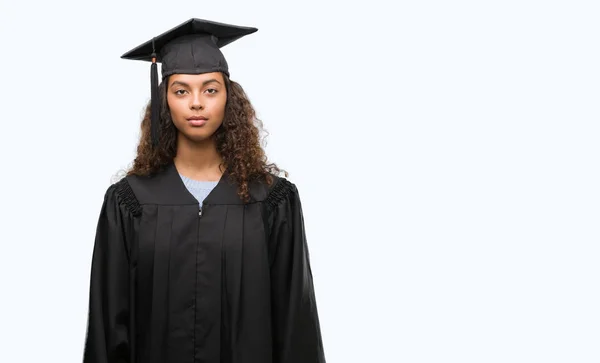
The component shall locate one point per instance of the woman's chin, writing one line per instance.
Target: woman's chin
(197, 135)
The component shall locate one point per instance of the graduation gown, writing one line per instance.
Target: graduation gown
(176, 282)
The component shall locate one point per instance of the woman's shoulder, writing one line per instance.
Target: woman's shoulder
(279, 191)
(274, 192)
(120, 192)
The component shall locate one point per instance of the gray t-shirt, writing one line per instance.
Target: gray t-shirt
(198, 188)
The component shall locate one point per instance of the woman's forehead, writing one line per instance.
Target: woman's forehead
(196, 79)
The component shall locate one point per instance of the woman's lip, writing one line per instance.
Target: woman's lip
(197, 122)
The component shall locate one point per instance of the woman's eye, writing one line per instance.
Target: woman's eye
(179, 92)
(212, 89)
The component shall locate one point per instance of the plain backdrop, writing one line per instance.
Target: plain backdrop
(446, 154)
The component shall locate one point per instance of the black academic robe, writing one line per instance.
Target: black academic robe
(173, 282)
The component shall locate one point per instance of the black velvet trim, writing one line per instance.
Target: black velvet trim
(278, 193)
(127, 197)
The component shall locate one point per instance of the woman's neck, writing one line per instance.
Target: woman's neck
(198, 160)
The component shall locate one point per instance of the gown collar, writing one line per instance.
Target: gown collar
(225, 192)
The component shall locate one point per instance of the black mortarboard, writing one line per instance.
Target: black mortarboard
(189, 48)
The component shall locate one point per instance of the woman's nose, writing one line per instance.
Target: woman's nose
(196, 103)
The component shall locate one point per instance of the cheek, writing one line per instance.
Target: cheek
(175, 105)
(218, 106)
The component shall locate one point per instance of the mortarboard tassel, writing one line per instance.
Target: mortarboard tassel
(154, 101)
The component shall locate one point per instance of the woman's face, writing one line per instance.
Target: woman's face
(197, 103)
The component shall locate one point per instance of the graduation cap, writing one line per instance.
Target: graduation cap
(189, 48)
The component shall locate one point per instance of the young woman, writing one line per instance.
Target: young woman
(200, 252)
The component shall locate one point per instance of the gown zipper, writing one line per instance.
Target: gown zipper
(195, 297)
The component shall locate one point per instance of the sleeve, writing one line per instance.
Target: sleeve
(108, 331)
(296, 328)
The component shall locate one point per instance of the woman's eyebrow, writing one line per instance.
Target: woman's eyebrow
(179, 83)
(187, 85)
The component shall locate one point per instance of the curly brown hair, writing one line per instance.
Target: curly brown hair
(237, 140)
